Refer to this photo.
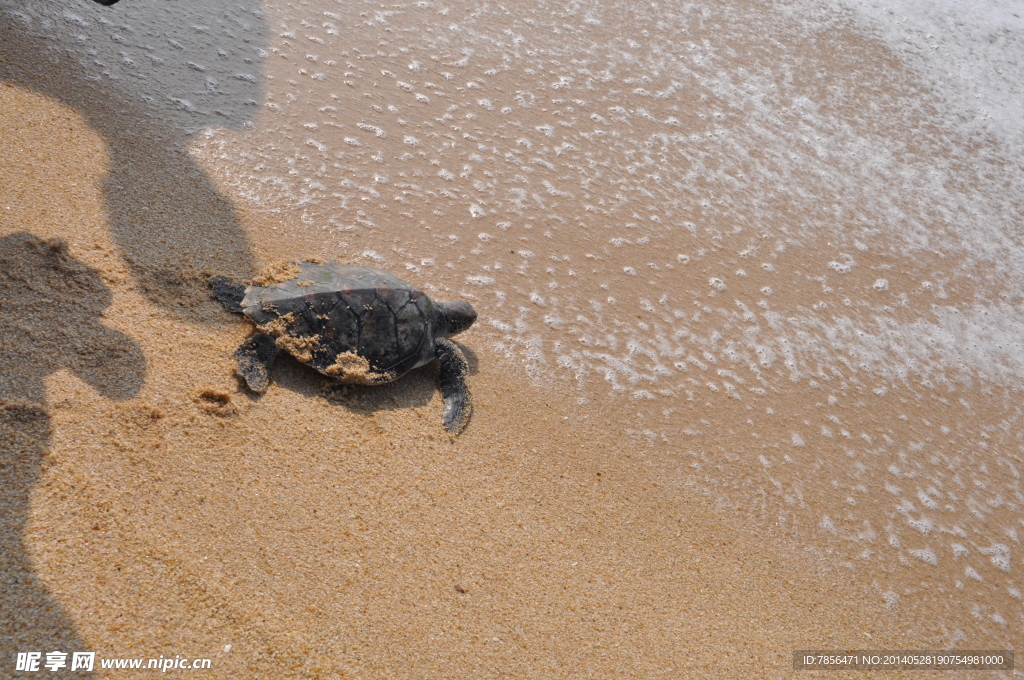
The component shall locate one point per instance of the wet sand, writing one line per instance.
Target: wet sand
(152, 506)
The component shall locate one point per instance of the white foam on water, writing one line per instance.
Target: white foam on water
(970, 50)
(190, 63)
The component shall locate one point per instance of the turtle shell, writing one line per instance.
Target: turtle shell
(356, 324)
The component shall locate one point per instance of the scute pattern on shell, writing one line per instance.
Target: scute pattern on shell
(332, 310)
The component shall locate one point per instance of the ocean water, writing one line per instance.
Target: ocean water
(781, 243)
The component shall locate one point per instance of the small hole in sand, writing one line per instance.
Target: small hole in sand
(215, 401)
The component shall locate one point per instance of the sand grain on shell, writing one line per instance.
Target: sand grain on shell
(300, 348)
(279, 272)
(350, 368)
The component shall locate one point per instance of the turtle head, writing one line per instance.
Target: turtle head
(451, 318)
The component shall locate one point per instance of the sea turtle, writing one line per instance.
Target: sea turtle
(354, 324)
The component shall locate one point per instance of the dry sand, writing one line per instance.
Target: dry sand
(151, 506)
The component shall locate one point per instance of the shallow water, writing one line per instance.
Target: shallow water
(776, 246)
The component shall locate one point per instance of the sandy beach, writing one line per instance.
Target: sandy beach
(746, 376)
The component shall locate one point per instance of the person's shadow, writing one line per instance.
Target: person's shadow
(147, 75)
(51, 308)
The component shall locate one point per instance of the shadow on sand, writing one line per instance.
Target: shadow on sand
(147, 75)
(51, 308)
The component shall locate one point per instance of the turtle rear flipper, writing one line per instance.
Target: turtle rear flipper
(254, 357)
(458, 403)
(229, 292)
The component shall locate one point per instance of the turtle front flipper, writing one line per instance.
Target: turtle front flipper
(254, 357)
(458, 404)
